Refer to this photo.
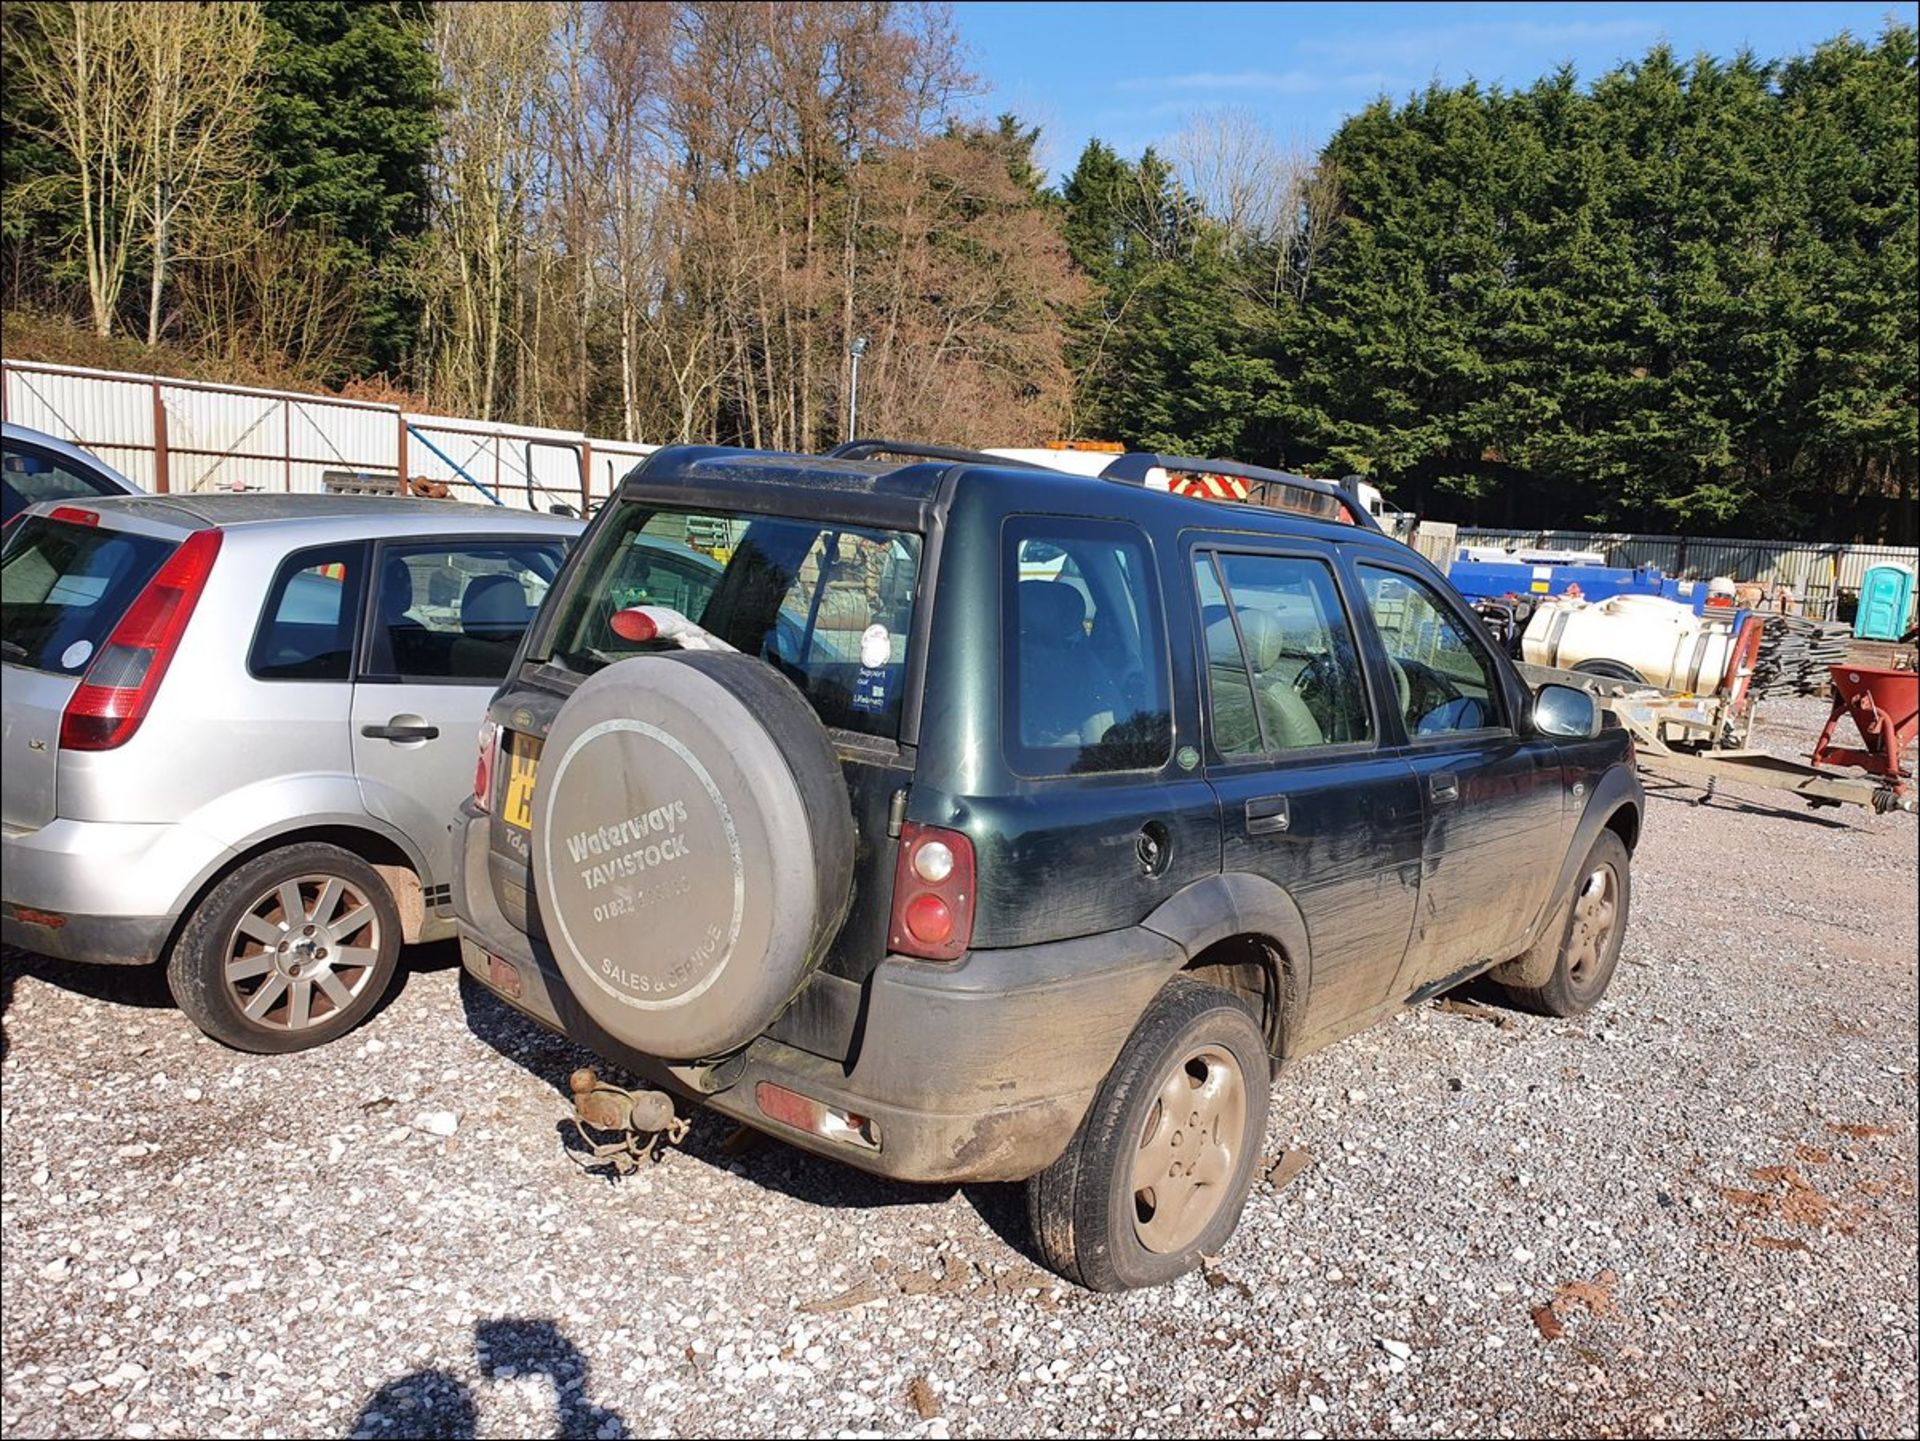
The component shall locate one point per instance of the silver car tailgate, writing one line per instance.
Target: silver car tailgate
(31, 703)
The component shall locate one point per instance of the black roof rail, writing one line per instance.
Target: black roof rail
(1133, 469)
(863, 449)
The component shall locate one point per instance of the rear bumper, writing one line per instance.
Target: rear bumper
(120, 887)
(98, 940)
(978, 1070)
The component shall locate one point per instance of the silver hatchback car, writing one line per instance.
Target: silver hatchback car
(236, 730)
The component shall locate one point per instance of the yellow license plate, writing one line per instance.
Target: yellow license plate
(523, 760)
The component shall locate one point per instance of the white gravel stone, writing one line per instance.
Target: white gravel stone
(249, 1277)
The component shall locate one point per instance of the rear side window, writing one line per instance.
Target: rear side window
(456, 612)
(307, 624)
(1085, 675)
(1283, 673)
(828, 605)
(28, 476)
(63, 588)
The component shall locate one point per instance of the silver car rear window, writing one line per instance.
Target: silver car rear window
(64, 586)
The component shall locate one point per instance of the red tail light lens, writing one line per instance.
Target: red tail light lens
(483, 767)
(932, 894)
(118, 688)
(73, 515)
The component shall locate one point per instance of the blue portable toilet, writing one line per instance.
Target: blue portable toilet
(1886, 600)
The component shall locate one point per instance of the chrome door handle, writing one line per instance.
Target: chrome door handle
(1443, 786)
(1268, 815)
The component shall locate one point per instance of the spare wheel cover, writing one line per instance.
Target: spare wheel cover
(692, 849)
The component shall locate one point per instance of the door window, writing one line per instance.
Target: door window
(1086, 661)
(307, 624)
(1283, 673)
(457, 612)
(1443, 676)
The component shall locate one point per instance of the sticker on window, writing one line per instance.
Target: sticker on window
(870, 688)
(876, 647)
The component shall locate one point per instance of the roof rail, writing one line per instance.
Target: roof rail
(862, 449)
(1136, 467)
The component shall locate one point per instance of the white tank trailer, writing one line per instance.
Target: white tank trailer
(1633, 638)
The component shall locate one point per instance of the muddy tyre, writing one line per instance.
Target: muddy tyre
(1577, 956)
(693, 849)
(292, 950)
(1159, 1170)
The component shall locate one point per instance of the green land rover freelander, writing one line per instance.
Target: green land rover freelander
(967, 821)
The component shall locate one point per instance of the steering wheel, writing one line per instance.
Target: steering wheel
(1320, 678)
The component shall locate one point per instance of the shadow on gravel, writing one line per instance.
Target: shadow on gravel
(719, 1142)
(145, 987)
(438, 1403)
(1682, 793)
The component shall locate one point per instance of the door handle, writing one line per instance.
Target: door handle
(1443, 786)
(420, 731)
(1268, 815)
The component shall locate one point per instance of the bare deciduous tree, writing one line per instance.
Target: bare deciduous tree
(494, 61)
(87, 79)
(1268, 196)
(198, 81)
(153, 104)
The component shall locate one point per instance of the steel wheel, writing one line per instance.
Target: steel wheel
(1595, 913)
(302, 952)
(1189, 1149)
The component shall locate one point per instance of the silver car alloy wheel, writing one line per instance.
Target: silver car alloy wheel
(302, 953)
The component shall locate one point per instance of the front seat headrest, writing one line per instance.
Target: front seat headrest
(396, 591)
(1051, 610)
(1265, 636)
(493, 603)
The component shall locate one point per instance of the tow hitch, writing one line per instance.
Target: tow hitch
(643, 1120)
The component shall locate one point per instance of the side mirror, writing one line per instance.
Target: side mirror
(1566, 712)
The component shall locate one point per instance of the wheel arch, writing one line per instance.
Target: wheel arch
(386, 853)
(1245, 934)
(1624, 821)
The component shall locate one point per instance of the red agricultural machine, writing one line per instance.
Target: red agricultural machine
(1884, 706)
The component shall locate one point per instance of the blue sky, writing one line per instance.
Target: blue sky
(1132, 74)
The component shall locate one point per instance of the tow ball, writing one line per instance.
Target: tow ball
(642, 1121)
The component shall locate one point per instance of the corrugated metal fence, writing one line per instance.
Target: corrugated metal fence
(188, 435)
(1814, 572)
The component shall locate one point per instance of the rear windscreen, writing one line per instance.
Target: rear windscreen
(830, 606)
(29, 476)
(63, 588)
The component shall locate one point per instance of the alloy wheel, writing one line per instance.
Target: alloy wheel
(302, 953)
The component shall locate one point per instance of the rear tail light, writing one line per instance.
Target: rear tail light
(73, 515)
(483, 767)
(932, 894)
(118, 688)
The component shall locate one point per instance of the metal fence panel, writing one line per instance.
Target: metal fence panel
(183, 436)
(1815, 573)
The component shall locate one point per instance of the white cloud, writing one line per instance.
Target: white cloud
(1420, 45)
(1258, 82)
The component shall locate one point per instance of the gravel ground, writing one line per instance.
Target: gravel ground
(1691, 1212)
